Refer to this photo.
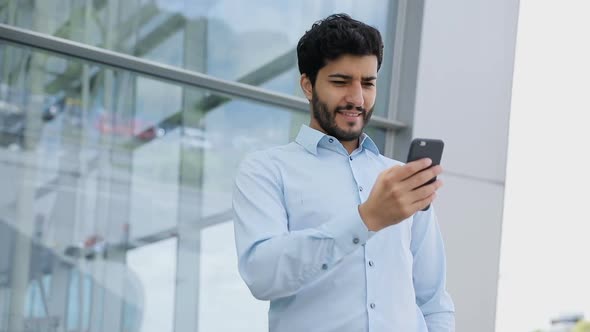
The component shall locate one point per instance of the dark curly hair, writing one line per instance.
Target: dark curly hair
(332, 37)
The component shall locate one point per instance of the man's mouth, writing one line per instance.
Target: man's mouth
(351, 114)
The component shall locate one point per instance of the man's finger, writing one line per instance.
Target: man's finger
(401, 173)
(422, 177)
(420, 205)
(423, 193)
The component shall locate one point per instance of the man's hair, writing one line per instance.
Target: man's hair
(332, 37)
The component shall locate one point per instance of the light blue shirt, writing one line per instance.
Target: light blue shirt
(302, 244)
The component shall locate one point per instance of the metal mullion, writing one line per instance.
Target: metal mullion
(405, 75)
(396, 40)
(396, 67)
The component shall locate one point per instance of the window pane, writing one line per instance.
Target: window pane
(222, 289)
(155, 267)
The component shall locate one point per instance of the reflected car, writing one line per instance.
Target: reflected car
(107, 125)
(54, 106)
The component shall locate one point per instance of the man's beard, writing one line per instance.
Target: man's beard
(327, 119)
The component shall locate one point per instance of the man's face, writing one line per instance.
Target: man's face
(343, 96)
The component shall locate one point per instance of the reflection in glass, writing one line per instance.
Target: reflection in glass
(156, 284)
(222, 288)
(212, 37)
(111, 176)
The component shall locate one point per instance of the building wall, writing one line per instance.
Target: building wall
(463, 97)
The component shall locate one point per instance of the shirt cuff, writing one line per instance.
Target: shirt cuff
(348, 231)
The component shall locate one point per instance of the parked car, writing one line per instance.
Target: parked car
(141, 129)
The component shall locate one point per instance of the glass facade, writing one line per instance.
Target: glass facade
(115, 208)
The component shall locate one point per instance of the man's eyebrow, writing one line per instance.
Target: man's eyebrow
(348, 77)
(342, 76)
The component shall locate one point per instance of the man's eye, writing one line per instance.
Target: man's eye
(339, 82)
(368, 84)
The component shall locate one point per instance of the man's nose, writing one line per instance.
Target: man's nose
(354, 95)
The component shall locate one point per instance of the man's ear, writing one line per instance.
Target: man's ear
(306, 86)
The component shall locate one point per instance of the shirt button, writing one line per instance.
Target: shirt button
(350, 158)
(324, 266)
(331, 140)
(361, 188)
(372, 305)
(355, 240)
(371, 263)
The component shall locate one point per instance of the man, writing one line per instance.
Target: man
(329, 230)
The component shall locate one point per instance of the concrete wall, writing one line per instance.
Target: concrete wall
(463, 96)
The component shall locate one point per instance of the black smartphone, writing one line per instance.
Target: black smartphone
(426, 148)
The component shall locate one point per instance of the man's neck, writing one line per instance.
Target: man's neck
(350, 145)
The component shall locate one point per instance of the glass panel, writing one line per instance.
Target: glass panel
(157, 284)
(222, 288)
(112, 174)
(212, 37)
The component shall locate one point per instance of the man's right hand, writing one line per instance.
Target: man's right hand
(396, 196)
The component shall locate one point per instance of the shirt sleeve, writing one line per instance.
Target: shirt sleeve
(273, 261)
(429, 273)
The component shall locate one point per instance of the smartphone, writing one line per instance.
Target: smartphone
(426, 148)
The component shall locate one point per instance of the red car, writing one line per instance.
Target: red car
(106, 124)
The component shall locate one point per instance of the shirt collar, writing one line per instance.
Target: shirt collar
(368, 143)
(309, 138)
